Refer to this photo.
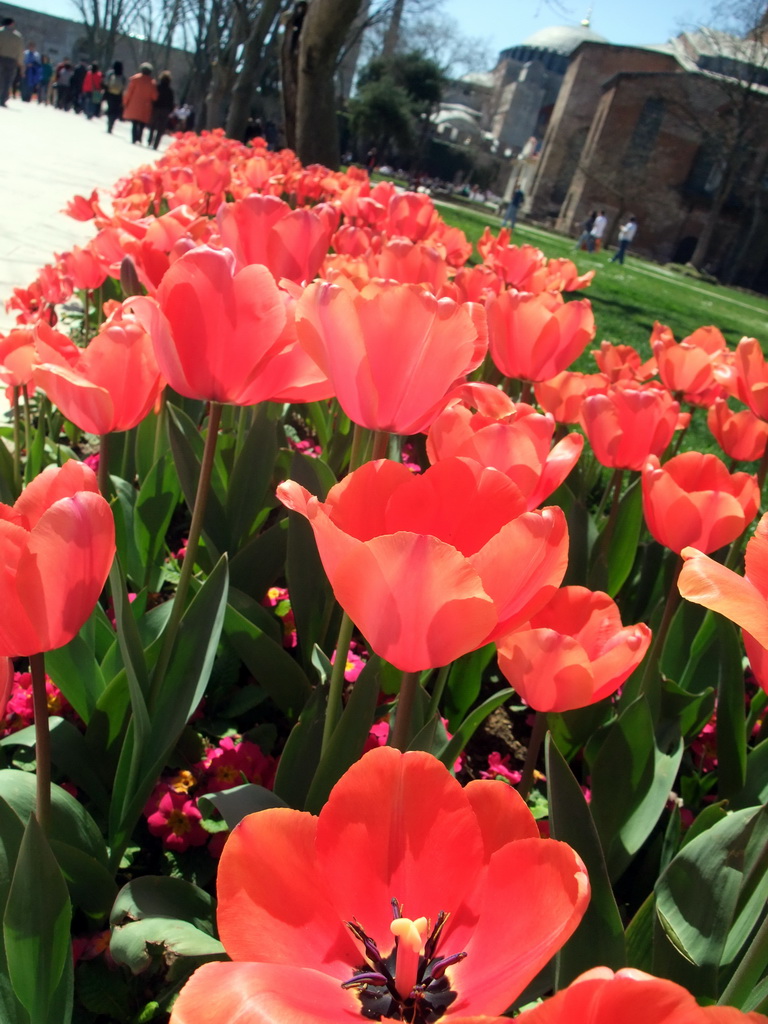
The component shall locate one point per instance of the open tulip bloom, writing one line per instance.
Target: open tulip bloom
(409, 898)
(431, 567)
(57, 544)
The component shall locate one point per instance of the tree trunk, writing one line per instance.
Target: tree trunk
(248, 78)
(322, 34)
(393, 30)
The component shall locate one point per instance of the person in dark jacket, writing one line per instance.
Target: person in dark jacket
(161, 109)
(115, 84)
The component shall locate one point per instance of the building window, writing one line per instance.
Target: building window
(645, 133)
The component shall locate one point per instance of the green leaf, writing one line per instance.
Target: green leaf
(599, 939)
(235, 803)
(11, 834)
(471, 723)
(138, 943)
(698, 895)
(36, 925)
(268, 662)
(639, 936)
(157, 500)
(731, 712)
(348, 738)
(187, 448)
(312, 599)
(92, 887)
(70, 821)
(259, 562)
(615, 550)
(251, 476)
(465, 678)
(123, 510)
(162, 896)
(76, 672)
(632, 776)
(301, 753)
(756, 783)
(70, 754)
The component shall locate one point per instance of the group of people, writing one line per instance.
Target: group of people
(145, 102)
(593, 230)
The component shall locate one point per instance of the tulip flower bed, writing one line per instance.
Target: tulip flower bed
(359, 658)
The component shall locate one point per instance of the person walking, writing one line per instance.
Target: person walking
(161, 109)
(138, 100)
(114, 87)
(627, 233)
(33, 73)
(510, 215)
(11, 57)
(46, 73)
(595, 240)
(586, 228)
(76, 86)
(92, 94)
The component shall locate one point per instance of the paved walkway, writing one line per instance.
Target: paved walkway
(46, 157)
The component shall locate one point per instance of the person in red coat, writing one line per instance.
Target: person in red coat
(138, 100)
(92, 94)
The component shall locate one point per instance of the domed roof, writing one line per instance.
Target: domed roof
(563, 38)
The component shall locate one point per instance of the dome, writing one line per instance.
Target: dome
(563, 38)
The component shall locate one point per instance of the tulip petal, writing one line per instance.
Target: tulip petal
(502, 814)
(64, 567)
(417, 600)
(528, 931)
(246, 993)
(89, 406)
(707, 582)
(406, 819)
(271, 902)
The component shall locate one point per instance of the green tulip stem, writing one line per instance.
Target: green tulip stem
(380, 445)
(103, 474)
(648, 684)
(526, 393)
(762, 469)
(159, 428)
(437, 691)
(193, 543)
(748, 973)
(16, 440)
(356, 451)
(86, 321)
(27, 421)
(613, 485)
(532, 753)
(336, 682)
(42, 741)
(401, 734)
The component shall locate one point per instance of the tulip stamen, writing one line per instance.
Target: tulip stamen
(410, 984)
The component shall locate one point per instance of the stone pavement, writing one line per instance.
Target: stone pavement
(46, 157)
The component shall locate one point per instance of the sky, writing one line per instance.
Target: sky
(632, 22)
(503, 23)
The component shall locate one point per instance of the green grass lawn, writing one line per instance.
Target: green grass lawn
(627, 299)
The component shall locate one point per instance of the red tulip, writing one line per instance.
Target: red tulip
(742, 599)
(110, 385)
(534, 337)
(751, 373)
(86, 269)
(412, 263)
(433, 566)
(573, 652)
(626, 424)
(411, 215)
(392, 351)
(57, 545)
(516, 440)
(311, 932)
(264, 229)
(688, 366)
(218, 332)
(693, 501)
(563, 395)
(17, 356)
(741, 435)
(623, 362)
(630, 997)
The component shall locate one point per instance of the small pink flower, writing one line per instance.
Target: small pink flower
(233, 764)
(177, 822)
(498, 768)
